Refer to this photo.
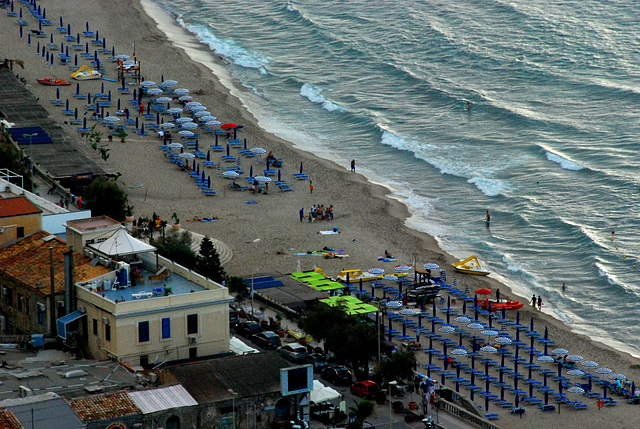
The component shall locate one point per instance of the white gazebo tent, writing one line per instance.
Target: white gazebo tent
(121, 244)
(322, 393)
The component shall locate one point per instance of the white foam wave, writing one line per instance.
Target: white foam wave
(490, 187)
(314, 95)
(290, 8)
(564, 162)
(441, 159)
(228, 49)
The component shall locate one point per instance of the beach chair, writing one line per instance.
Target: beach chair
(547, 407)
(285, 188)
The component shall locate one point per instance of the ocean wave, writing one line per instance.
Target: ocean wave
(228, 49)
(491, 187)
(564, 162)
(314, 94)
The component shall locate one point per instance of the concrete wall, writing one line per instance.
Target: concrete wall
(31, 224)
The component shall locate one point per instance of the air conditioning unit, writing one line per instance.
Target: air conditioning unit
(82, 309)
(105, 320)
(25, 391)
(42, 307)
(193, 340)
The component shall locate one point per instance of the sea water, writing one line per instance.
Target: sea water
(549, 144)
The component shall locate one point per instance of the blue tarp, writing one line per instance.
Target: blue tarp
(65, 320)
(263, 282)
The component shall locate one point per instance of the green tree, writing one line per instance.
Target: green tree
(208, 262)
(350, 338)
(176, 246)
(105, 197)
(10, 158)
(237, 286)
(363, 410)
(399, 366)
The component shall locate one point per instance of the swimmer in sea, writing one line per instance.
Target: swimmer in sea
(469, 106)
(488, 217)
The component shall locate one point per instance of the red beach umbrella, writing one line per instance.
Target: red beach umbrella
(229, 125)
(483, 291)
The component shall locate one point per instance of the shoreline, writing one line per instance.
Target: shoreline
(380, 224)
(181, 38)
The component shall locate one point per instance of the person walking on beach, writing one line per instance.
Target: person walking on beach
(353, 165)
(533, 301)
(301, 214)
(539, 302)
(141, 109)
(310, 187)
(497, 295)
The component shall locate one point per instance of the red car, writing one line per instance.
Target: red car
(367, 389)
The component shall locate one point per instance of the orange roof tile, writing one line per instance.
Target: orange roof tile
(106, 406)
(29, 261)
(8, 420)
(16, 206)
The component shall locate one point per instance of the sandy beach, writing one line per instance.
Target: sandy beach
(368, 221)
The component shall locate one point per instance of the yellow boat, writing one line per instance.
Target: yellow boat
(471, 265)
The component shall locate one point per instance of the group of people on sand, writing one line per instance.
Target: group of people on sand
(536, 302)
(320, 212)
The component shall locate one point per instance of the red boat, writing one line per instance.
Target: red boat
(53, 82)
(498, 306)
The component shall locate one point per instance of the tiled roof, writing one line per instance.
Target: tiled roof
(104, 407)
(17, 206)
(8, 420)
(29, 261)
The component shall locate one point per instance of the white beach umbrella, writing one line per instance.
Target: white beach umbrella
(431, 266)
(462, 319)
(402, 268)
(459, 352)
(393, 304)
(202, 113)
(183, 120)
(376, 271)
(175, 145)
(174, 110)
(192, 103)
(147, 83)
(122, 57)
(167, 125)
(212, 123)
(230, 174)
(263, 179)
(189, 125)
(154, 91)
(187, 155)
(112, 119)
(169, 82)
(181, 91)
(407, 311)
(603, 371)
(258, 150)
(488, 349)
(185, 98)
(207, 118)
(196, 108)
(186, 133)
(446, 329)
(162, 99)
(544, 358)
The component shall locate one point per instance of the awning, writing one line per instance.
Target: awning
(65, 320)
(322, 393)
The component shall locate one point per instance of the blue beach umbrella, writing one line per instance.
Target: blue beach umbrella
(75, 113)
(229, 155)
(300, 167)
(208, 181)
(245, 143)
(69, 30)
(208, 155)
(141, 128)
(58, 93)
(84, 122)
(251, 171)
(38, 48)
(67, 105)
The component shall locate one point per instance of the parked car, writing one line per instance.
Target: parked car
(294, 352)
(233, 317)
(338, 375)
(267, 340)
(367, 389)
(317, 360)
(248, 328)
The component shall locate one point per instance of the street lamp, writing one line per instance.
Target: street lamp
(31, 136)
(233, 406)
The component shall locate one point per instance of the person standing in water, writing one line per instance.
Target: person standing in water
(488, 217)
(468, 106)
